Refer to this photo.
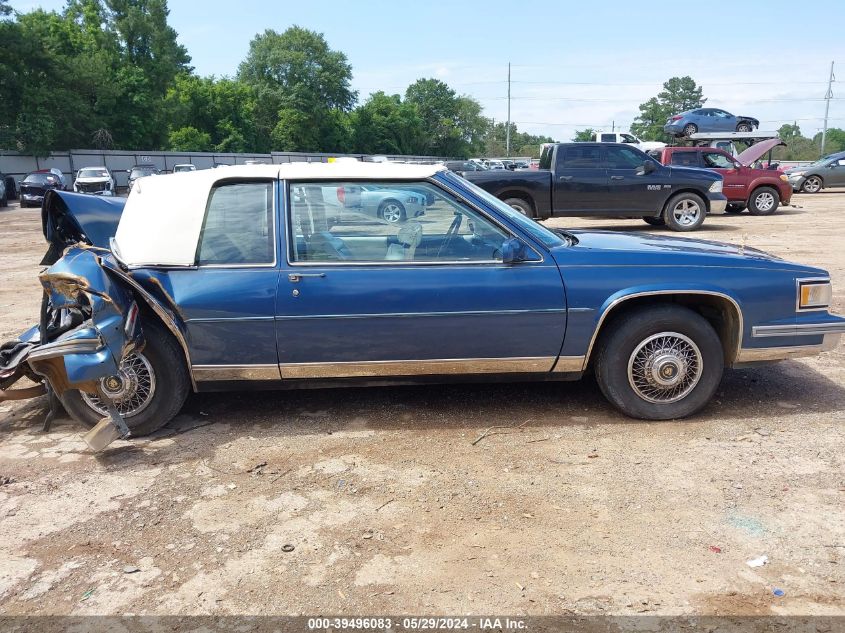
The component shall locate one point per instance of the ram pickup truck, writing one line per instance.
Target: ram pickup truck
(607, 180)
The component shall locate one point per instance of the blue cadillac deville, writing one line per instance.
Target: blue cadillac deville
(277, 276)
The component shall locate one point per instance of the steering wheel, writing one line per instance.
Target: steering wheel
(452, 232)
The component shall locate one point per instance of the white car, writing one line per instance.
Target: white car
(96, 180)
(184, 167)
(628, 139)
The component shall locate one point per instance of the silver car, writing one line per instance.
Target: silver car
(825, 172)
(390, 204)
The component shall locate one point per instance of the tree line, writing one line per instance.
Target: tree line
(111, 74)
(680, 94)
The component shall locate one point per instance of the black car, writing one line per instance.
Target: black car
(36, 184)
(607, 180)
(140, 171)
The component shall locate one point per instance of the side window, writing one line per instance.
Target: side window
(623, 158)
(627, 138)
(382, 221)
(685, 159)
(716, 160)
(579, 157)
(608, 138)
(238, 227)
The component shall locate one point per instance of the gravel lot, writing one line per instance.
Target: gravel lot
(390, 508)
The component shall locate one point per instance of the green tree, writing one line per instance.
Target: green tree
(582, 136)
(384, 124)
(301, 88)
(522, 143)
(452, 124)
(834, 141)
(189, 139)
(679, 94)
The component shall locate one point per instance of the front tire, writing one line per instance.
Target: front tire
(744, 127)
(684, 212)
(150, 390)
(813, 184)
(518, 204)
(764, 201)
(659, 362)
(392, 211)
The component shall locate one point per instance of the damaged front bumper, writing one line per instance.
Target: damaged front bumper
(89, 324)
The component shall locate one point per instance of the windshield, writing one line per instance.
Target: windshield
(825, 159)
(178, 168)
(40, 179)
(138, 172)
(535, 229)
(93, 173)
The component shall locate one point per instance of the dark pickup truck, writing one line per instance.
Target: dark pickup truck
(610, 180)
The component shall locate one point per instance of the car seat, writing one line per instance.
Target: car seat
(408, 238)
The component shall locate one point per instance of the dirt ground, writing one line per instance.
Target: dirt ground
(391, 508)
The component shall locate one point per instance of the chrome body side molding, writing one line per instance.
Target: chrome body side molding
(803, 329)
(428, 367)
(201, 373)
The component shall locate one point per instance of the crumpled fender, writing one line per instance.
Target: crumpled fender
(80, 356)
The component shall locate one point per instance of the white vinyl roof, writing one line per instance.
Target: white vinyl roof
(163, 216)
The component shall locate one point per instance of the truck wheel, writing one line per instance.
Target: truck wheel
(520, 205)
(148, 392)
(655, 221)
(764, 201)
(690, 129)
(813, 184)
(684, 212)
(659, 362)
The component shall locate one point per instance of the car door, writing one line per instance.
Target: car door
(735, 185)
(631, 187)
(723, 121)
(429, 295)
(835, 176)
(228, 299)
(580, 184)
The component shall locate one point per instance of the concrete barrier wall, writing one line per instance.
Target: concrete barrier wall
(121, 161)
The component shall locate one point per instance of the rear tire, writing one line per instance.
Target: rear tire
(659, 362)
(684, 212)
(763, 201)
(655, 221)
(170, 385)
(690, 129)
(520, 205)
(392, 212)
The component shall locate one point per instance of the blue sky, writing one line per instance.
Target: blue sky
(574, 64)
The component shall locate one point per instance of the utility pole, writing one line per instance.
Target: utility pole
(827, 97)
(508, 132)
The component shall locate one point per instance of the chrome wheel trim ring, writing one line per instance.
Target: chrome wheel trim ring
(812, 184)
(686, 212)
(391, 213)
(665, 368)
(132, 390)
(765, 201)
(520, 209)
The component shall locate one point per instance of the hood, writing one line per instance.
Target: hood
(93, 179)
(70, 218)
(649, 243)
(695, 172)
(758, 150)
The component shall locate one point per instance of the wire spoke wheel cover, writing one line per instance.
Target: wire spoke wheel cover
(131, 390)
(665, 367)
(686, 212)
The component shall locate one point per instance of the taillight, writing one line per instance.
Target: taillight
(341, 195)
(677, 117)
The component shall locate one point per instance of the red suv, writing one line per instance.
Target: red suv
(761, 190)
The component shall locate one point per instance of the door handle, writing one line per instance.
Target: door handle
(295, 277)
(617, 177)
(564, 177)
